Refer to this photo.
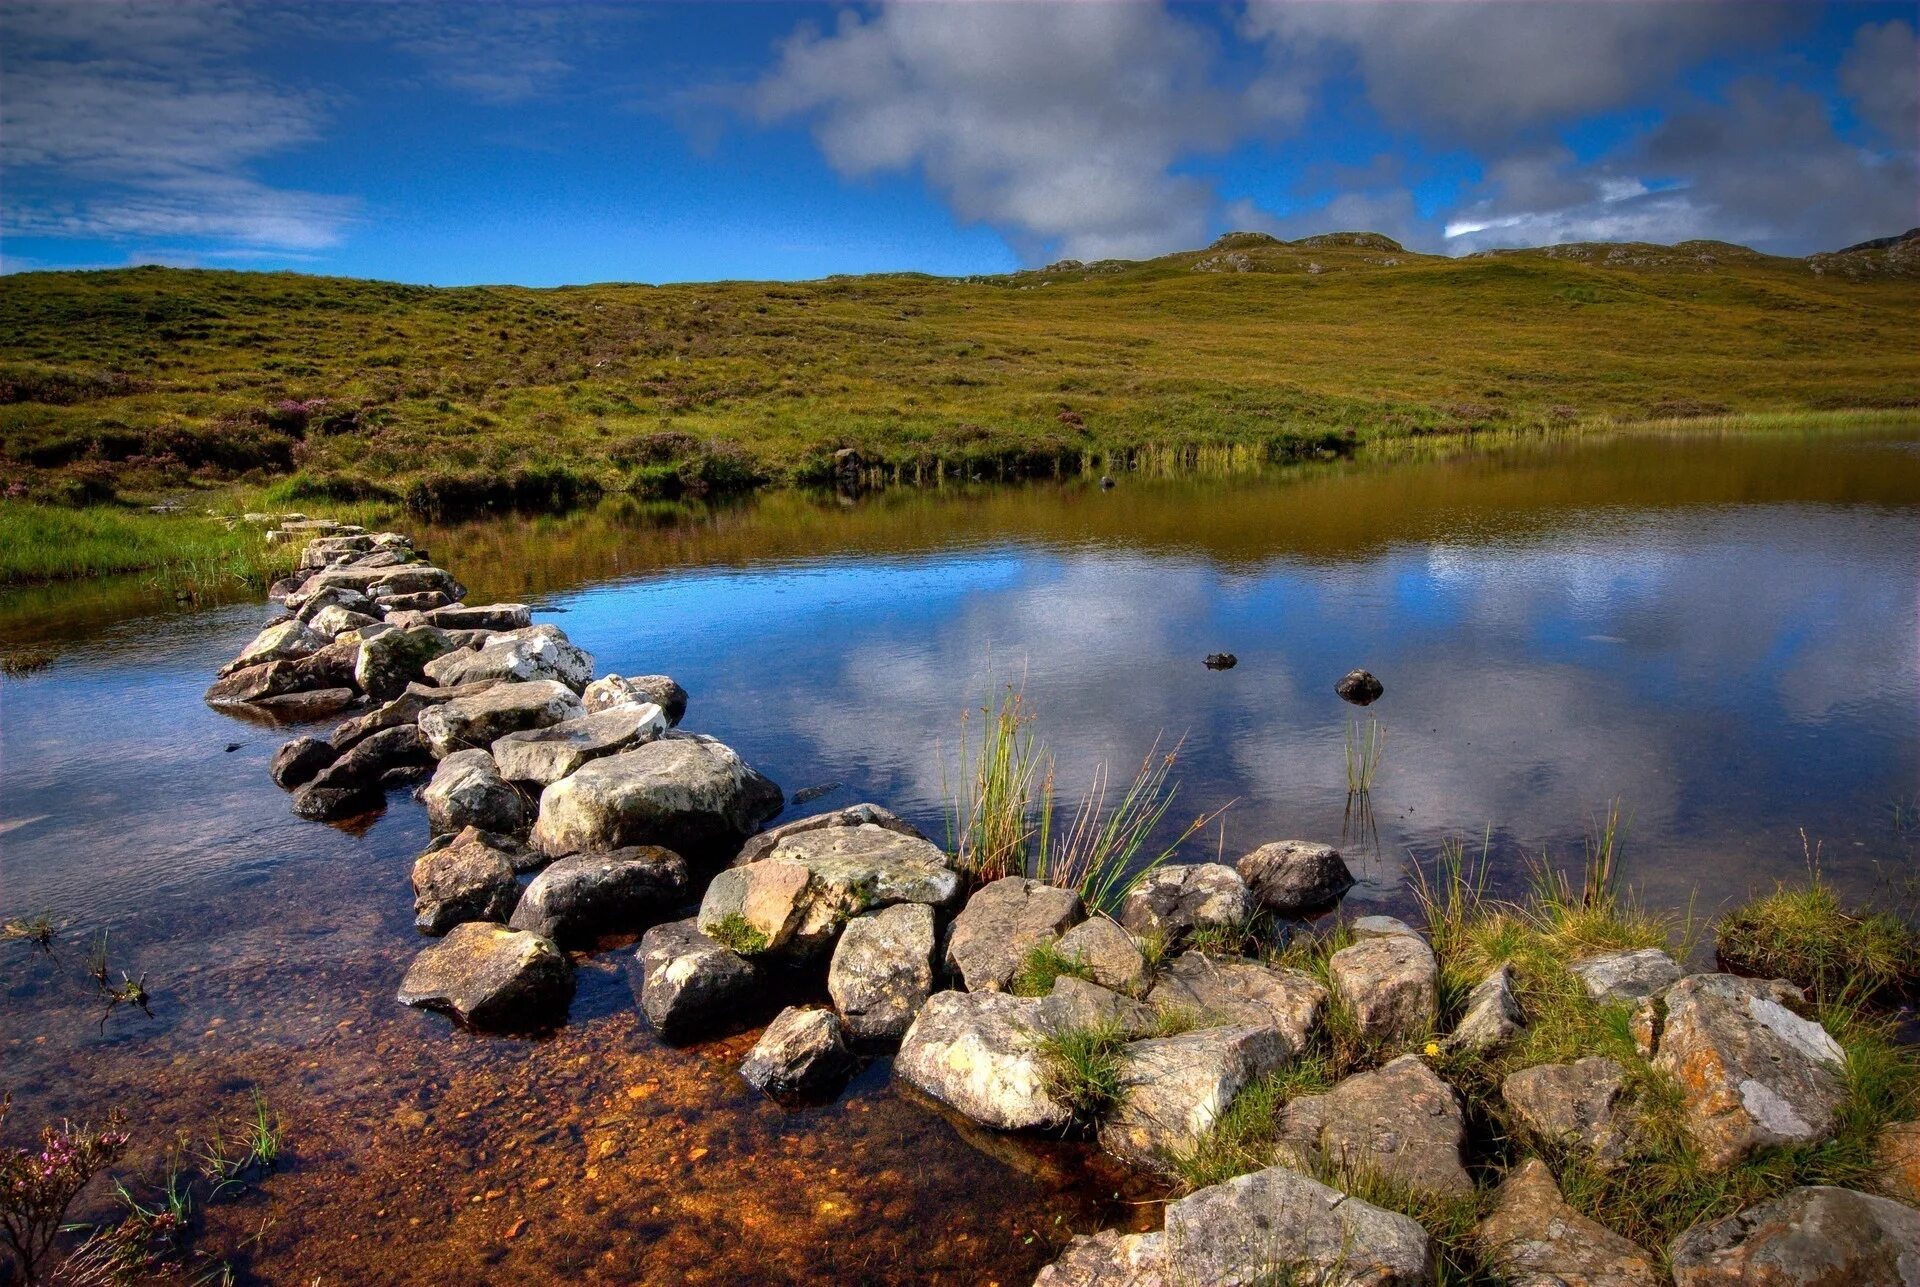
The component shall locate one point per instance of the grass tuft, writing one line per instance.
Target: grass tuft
(734, 933)
(1044, 963)
(1082, 1069)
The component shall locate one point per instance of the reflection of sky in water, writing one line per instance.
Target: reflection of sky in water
(1733, 673)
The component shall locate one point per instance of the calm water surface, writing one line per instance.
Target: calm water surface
(1718, 632)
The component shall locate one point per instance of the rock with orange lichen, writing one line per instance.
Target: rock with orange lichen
(687, 978)
(802, 1052)
(491, 977)
(1752, 1073)
(1900, 1161)
(979, 1053)
(1109, 1259)
(1818, 1235)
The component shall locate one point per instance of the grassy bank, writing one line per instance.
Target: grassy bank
(191, 553)
(1238, 356)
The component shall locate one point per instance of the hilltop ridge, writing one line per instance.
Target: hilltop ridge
(1252, 348)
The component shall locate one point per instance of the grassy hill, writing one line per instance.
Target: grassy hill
(152, 380)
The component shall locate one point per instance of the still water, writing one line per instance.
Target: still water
(1718, 632)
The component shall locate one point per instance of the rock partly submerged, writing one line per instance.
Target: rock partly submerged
(488, 976)
(687, 792)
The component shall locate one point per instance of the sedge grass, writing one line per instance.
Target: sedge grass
(187, 552)
(1366, 745)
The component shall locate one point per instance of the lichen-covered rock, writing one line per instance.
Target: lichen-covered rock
(1899, 1160)
(690, 793)
(585, 895)
(800, 895)
(390, 661)
(488, 976)
(1278, 1225)
(882, 970)
(1401, 1121)
(479, 720)
(295, 763)
(287, 640)
(1109, 1259)
(1818, 1236)
(467, 880)
(1752, 1073)
(1376, 926)
(418, 578)
(1534, 1239)
(1492, 1015)
(1626, 975)
(485, 616)
(1175, 900)
(762, 844)
(544, 755)
(1576, 1106)
(687, 979)
(1295, 876)
(404, 709)
(1175, 1088)
(1001, 924)
(656, 690)
(468, 791)
(1076, 1003)
(1211, 991)
(1108, 953)
(1391, 985)
(979, 1053)
(800, 1053)
(517, 656)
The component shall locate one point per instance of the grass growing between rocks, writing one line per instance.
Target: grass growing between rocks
(1043, 965)
(1805, 934)
(191, 553)
(1001, 818)
(1662, 1187)
(1082, 1068)
(737, 935)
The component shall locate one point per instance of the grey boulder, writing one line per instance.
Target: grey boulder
(1400, 1121)
(1108, 953)
(1626, 975)
(1391, 985)
(518, 656)
(1177, 899)
(1003, 922)
(1819, 1236)
(1295, 876)
(1207, 990)
(544, 755)
(488, 976)
(882, 970)
(467, 880)
(1174, 1089)
(1577, 1106)
(980, 1054)
(800, 1053)
(480, 719)
(584, 895)
(1534, 1239)
(1492, 1016)
(296, 762)
(690, 793)
(687, 979)
(468, 791)
(656, 690)
(390, 661)
(1278, 1225)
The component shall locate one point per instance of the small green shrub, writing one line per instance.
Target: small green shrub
(1044, 963)
(733, 932)
(1081, 1067)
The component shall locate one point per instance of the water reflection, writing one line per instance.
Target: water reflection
(1721, 632)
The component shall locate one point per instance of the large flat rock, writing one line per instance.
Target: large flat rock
(545, 755)
(1279, 1226)
(686, 792)
(489, 976)
(980, 1054)
(479, 720)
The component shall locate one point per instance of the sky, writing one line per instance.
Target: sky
(545, 144)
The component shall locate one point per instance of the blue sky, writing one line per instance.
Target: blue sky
(547, 144)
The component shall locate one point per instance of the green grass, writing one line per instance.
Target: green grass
(190, 554)
(1804, 933)
(1365, 747)
(162, 378)
(1043, 964)
(736, 934)
(1082, 1069)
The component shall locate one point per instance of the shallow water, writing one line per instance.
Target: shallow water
(1720, 632)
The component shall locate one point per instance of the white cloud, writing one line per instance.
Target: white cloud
(141, 110)
(1060, 124)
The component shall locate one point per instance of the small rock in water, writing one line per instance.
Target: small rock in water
(801, 1053)
(806, 794)
(1359, 687)
(1221, 661)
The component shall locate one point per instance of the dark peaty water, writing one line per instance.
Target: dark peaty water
(1718, 632)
